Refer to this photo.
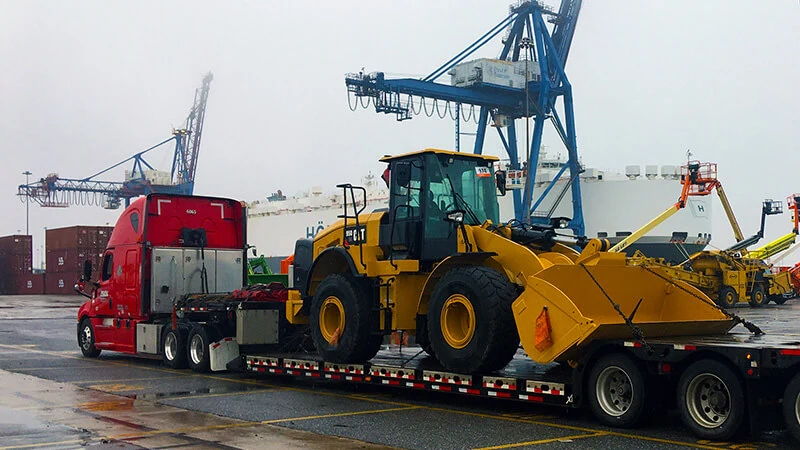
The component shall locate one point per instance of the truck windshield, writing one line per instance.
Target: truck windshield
(473, 182)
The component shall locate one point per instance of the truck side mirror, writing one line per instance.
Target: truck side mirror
(87, 271)
(254, 251)
(403, 173)
(500, 180)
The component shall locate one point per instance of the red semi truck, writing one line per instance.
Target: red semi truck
(167, 285)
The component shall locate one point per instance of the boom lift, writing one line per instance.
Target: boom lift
(735, 274)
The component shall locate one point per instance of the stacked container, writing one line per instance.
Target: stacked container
(66, 251)
(16, 260)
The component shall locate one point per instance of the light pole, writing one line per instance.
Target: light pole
(27, 174)
(526, 44)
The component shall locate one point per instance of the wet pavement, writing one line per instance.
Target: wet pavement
(52, 397)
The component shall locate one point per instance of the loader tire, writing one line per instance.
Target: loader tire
(758, 297)
(727, 297)
(173, 347)
(86, 339)
(341, 319)
(470, 322)
(779, 299)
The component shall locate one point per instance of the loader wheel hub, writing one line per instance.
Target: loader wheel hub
(331, 318)
(457, 321)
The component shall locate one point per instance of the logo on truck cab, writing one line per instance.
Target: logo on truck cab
(191, 211)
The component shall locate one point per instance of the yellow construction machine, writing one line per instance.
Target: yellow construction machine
(439, 265)
(736, 274)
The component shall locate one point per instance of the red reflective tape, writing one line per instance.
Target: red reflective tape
(215, 345)
(356, 378)
(260, 369)
(312, 374)
(335, 377)
(555, 392)
(790, 352)
(277, 370)
(473, 391)
(531, 398)
(443, 388)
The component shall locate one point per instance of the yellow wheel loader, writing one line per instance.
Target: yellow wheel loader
(439, 265)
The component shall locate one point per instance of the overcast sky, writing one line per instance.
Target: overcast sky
(85, 84)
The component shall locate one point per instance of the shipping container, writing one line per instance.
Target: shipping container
(16, 264)
(60, 283)
(71, 260)
(77, 237)
(32, 284)
(16, 245)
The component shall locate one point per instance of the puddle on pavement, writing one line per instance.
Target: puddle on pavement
(193, 392)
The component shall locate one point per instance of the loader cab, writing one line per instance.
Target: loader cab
(429, 190)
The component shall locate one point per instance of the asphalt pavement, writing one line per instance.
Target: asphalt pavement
(52, 397)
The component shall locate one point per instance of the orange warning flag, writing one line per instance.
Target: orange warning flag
(543, 340)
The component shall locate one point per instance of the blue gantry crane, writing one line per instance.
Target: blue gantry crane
(142, 179)
(536, 43)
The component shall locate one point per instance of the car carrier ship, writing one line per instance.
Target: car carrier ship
(614, 203)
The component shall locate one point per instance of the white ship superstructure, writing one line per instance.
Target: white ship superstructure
(615, 203)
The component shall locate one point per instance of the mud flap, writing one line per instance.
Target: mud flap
(222, 352)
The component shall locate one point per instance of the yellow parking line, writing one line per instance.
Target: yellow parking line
(545, 441)
(47, 444)
(224, 394)
(327, 416)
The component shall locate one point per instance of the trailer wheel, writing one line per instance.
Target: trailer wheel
(757, 296)
(618, 391)
(470, 322)
(197, 349)
(727, 297)
(340, 321)
(86, 339)
(173, 347)
(711, 400)
(791, 406)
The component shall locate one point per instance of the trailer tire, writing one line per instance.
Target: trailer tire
(173, 347)
(711, 400)
(758, 297)
(619, 393)
(470, 322)
(341, 321)
(791, 406)
(727, 297)
(86, 339)
(197, 349)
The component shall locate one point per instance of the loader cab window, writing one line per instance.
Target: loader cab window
(406, 189)
(469, 184)
(108, 267)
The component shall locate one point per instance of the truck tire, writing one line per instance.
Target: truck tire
(780, 299)
(470, 322)
(197, 349)
(173, 347)
(758, 297)
(727, 297)
(711, 400)
(341, 321)
(791, 406)
(619, 394)
(86, 339)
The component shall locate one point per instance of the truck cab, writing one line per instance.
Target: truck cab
(162, 247)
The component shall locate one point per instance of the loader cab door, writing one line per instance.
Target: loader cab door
(418, 198)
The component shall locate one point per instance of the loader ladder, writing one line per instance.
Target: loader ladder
(356, 234)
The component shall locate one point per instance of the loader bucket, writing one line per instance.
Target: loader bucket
(579, 312)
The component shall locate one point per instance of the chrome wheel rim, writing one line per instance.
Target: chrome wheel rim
(708, 400)
(797, 409)
(170, 346)
(614, 391)
(196, 349)
(86, 337)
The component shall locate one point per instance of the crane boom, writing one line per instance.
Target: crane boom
(55, 191)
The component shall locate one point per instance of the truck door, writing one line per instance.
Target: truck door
(103, 302)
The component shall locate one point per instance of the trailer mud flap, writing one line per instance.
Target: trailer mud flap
(222, 352)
